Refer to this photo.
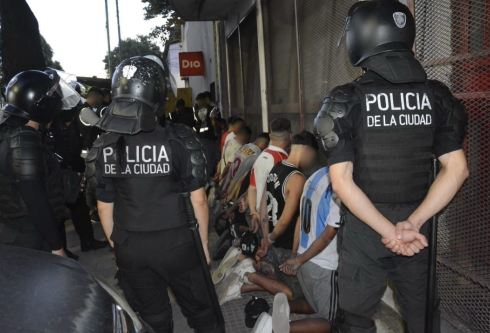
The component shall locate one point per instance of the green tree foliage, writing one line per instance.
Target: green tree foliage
(48, 55)
(170, 31)
(140, 46)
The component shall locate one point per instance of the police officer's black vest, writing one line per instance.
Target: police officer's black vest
(394, 140)
(148, 188)
(276, 201)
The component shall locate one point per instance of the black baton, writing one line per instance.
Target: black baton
(431, 276)
(194, 227)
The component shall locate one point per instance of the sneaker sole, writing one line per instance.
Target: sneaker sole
(280, 314)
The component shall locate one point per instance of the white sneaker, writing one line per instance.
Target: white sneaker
(229, 260)
(263, 324)
(229, 288)
(243, 267)
(280, 314)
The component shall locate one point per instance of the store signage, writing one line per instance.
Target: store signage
(191, 64)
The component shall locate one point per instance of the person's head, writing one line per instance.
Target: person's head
(304, 148)
(280, 134)
(95, 97)
(33, 97)
(378, 26)
(262, 140)
(235, 123)
(243, 135)
(203, 99)
(106, 96)
(180, 104)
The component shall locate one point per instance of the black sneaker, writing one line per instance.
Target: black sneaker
(93, 245)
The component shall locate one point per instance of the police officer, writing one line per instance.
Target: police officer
(141, 170)
(29, 194)
(381, 133)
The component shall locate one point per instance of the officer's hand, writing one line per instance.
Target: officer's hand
(60, 252)
(409, 233)
(407, 241)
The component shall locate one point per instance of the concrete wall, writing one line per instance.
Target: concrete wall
(199, 36)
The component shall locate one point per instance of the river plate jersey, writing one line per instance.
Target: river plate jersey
(317, 211)
(271, 156)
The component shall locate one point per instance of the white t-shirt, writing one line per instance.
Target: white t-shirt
(262, 166)
(318, 210)
(229, 150)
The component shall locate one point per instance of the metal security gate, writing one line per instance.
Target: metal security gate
(453, 43)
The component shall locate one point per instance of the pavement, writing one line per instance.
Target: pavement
(101, 264)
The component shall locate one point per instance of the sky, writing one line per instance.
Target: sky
(75, 29)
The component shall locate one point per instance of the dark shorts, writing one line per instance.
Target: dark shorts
(151, 262)
(275, 257)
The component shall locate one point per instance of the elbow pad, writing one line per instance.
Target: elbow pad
(197, 160)
(27, 154)
(332, 125)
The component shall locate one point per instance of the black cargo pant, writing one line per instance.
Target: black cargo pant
(80, 216)
(151, 262)
(365, 267)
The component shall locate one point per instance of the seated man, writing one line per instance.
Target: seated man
(284, 187)
(316, 262)
(242, 137)
(238, 172)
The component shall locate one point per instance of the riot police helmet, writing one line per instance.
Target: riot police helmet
(33, 95)
(378, 26)
(138, 96)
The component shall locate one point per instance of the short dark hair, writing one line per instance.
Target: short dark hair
(280, 125)
(305, 138)
(245, 130)
(105, 92)
(264, 135)
(95, 91)
(235, 120)
(180, 102)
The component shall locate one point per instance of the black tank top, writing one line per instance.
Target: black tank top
(276, 200)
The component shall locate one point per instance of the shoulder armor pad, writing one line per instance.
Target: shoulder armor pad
(27, 153)
(191, 142)
(337, 105)
(453, 115)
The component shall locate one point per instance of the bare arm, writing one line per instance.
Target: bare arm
(318, 245)
(297, 230)
(360, 205)
(106, 214)
(452, 174)
(294, 188)
(201, 211)
(291, 266)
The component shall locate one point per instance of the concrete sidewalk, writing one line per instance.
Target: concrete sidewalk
(101, 263)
